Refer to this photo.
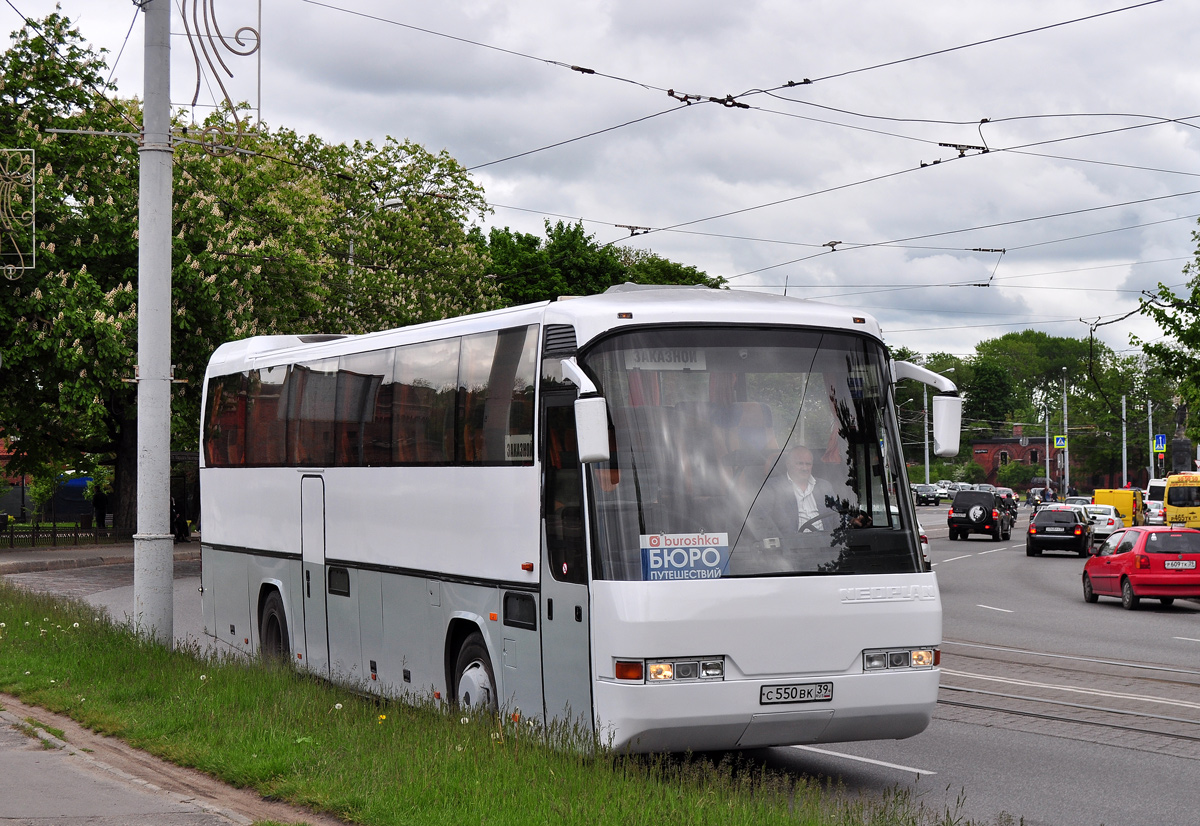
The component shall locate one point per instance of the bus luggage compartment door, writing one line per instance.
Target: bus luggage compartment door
(312, 546)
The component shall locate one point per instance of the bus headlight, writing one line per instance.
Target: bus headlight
(661, 671)
(922, 658)
(901, 658)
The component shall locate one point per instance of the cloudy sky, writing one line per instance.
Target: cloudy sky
(1091, 185)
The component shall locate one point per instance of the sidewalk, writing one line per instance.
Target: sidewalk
(24, 560)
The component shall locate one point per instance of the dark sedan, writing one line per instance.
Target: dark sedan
(927, 495)
(1058, 529)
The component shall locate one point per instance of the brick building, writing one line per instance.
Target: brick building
(992, 454)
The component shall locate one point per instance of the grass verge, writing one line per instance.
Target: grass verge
(308, 742)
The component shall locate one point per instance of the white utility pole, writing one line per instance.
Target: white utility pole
(925, 416)
(1150, 436)
(153, 544)
(1048, 445)
(1124, 450)
(1067, 436)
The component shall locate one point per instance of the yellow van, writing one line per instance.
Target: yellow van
(1127, 501)
(1182, 500)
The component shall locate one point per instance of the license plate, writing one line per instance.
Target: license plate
(1055, 530)
(1180, 564)
(795, 693)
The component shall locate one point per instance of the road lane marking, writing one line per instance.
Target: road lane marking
(1186, 639)
(1115, 695)
(991, 608)
(993, 550)
(864, 760)
(954, 558)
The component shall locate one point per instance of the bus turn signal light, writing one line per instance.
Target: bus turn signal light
(629, 670)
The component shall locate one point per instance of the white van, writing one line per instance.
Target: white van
(1153, 498)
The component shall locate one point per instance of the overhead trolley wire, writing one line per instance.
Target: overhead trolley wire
(807, 81)
(731, 101)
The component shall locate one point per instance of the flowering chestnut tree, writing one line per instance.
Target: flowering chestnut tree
(286, 235)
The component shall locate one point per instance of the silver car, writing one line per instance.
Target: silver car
(1106, 521)
(1155, 514)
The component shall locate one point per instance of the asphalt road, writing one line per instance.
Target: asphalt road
(1065, 764)
(1031, 764)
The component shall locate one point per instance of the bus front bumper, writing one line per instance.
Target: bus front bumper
(702, 716)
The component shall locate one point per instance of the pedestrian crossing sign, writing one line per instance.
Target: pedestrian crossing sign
(1060, 442)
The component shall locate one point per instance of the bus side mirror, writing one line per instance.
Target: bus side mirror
(947, 425)
(591, 429)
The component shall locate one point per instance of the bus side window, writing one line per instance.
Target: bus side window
(563, 490)
(266, 417)
(496, 378)
(225, 424)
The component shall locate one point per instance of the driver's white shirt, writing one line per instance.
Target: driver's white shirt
(806, 502)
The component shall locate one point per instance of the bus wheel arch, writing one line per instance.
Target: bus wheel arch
(470, 677)
(274, 641)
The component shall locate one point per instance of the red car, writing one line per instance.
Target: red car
(1154, 562)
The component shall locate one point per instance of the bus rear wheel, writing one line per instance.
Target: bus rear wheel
(273, 631)
(474, 680)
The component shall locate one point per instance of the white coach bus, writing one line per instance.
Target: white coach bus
(679, 514)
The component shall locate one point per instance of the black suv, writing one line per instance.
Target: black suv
(979, 511)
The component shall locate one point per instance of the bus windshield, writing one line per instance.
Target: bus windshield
(744, 451)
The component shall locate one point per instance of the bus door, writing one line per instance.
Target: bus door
(312, 545)
(566, 638)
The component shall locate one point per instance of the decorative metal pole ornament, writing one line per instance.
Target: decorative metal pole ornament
(209, 44)
(18, 250)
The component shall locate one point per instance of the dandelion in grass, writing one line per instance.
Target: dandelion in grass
(203, 677)
(76, 625)
(382, 717)
(465, 720)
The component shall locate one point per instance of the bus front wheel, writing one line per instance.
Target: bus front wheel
(475, 683)
(273, 630)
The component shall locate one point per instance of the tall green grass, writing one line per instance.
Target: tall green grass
(289, 737)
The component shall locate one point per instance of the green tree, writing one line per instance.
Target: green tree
(571, 262)
(1178, 316)
(1016, 475)
(645, 267)
(289, 235)
(974, 473)
(67, 327)
(989, 396)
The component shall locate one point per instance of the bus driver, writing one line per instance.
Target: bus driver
(798, 502)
